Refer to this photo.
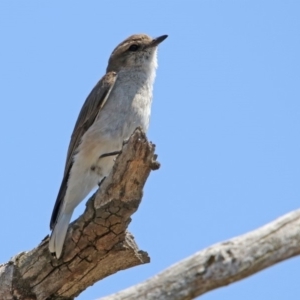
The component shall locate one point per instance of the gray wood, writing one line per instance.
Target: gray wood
(222, 264)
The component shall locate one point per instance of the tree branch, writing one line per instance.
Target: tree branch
(97, 243)
(223, 263)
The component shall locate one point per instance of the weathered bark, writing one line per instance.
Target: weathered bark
(222, 263)
(97, 243)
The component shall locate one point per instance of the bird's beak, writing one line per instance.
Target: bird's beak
(157, 40)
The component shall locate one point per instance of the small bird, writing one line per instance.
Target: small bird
(120, 102)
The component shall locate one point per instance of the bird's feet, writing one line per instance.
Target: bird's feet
(110, 154)
(101, 181)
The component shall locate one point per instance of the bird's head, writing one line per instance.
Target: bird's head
(136, 52)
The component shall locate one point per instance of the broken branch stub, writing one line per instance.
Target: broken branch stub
(97, 244)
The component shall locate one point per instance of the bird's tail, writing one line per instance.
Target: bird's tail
(58, 235)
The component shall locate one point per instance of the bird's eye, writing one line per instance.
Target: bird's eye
(133, 47)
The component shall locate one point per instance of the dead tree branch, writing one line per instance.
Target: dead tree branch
(97, 243)
(222, 264)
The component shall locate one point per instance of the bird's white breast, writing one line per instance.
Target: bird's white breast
(128, 106)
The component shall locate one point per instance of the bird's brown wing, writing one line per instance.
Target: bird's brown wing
(89, 111)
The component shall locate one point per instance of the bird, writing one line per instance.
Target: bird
(118, 104)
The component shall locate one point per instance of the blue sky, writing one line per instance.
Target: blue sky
(225, 119)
